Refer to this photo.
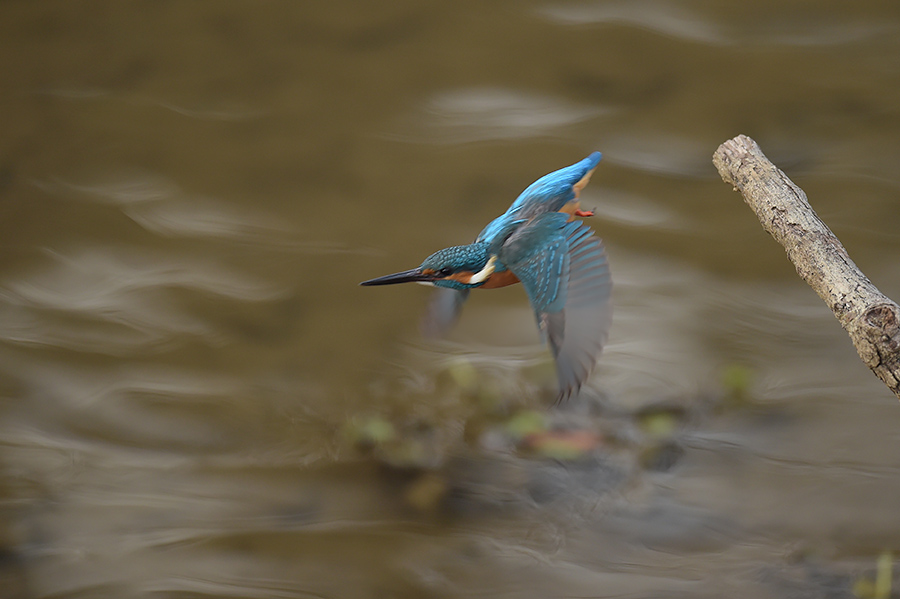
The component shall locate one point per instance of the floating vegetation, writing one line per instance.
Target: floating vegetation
(662, 420)
(880, 587)
(366, 433)
(736, 381)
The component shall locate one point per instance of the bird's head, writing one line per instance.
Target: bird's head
(457, 267)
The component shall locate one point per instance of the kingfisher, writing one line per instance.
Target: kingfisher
(560, 262)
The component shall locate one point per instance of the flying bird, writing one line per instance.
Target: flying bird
(560, 262)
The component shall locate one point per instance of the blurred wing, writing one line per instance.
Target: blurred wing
(443, 311)
(564, 270)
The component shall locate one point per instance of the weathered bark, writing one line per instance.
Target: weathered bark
(870, 318)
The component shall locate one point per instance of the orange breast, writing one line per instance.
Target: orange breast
(500, 279)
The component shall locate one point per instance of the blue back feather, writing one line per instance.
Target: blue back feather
(548, 194)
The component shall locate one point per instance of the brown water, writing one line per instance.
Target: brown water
(190, 192)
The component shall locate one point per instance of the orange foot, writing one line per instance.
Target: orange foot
(584, 213)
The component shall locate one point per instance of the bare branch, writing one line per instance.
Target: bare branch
(870, 318)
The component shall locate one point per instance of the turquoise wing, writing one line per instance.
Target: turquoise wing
(564, 270)
(550, 193)
(553, 191)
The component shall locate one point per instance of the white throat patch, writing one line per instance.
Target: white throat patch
(482, 275)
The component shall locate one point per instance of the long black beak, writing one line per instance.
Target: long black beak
(407, 276)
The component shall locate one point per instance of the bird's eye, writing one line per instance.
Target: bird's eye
(445, 272)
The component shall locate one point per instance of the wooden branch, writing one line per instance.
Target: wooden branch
(870, 318)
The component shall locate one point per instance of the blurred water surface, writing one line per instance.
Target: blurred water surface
(190, 192)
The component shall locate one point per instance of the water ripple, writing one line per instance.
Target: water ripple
(660, 154)
(94, 279)
(122, 190)
(161, 207)
(206, 114)
(168, 409)
(110, 299)
(676, 22)
(667, 19)
(826, 34)
(205, 218)
(632, 210)
(490, 113)
(227, 113)
(220, 586)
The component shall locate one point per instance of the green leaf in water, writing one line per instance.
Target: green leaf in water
(463, 374)
(526, 422)
(660, 424)
(737, 378)
(372, 430)
(883, 575)
(880, 588)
